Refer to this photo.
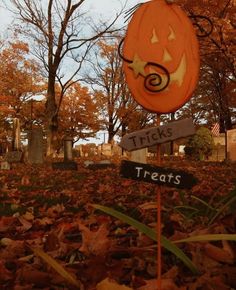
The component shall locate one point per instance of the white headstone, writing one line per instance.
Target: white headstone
(106, 149)
(5, 165)
(231, 144)
(139, 156)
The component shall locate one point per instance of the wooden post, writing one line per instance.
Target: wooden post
(158, 216)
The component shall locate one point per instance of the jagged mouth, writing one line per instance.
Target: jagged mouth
(177, 77)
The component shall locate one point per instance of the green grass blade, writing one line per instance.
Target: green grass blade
(57, 267)
(186, 207)
(222, 209)
(204, 238)
(207, 205)
(167, 244)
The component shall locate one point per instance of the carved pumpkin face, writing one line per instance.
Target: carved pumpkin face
(161, 38)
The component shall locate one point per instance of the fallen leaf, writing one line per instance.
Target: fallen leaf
(57, 267)
(219, 254)
(108, 284)
(55, 210)
(28, 216)
(94, 243)
(148, 205)
(166, 284)
(25, 180)
(6, 223)
(28, 274)
(25, 225)
(5, 274)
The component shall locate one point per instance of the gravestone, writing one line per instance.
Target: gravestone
(13, 156)
(87, 163)
(106, 149)
(65, 165)
(68, 145)
(218, 153)
(139, 155)
(68, 163)
(231, 144)
(5, 165)
(103, 164)
(16, 134)
(35, 146)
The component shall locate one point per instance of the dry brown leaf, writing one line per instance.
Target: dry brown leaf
(108, 284)
(13, 250)
(44, 221)
(207, 282)
(95, 243)
(166, 284)
(26, 225)
(28, 274)
(218, 254)
(25, 180)
(28, 216)
(6, 223)
(5, 274)
(55, 210)
(148, 205)
(172, 273)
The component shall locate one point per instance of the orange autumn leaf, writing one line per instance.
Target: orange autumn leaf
(166, 284)
(95, 243)
(108, 284)
(219, 254)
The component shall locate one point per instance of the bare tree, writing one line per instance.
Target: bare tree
(118, 110)
(61, 36)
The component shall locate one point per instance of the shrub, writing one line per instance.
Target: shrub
(200, 146)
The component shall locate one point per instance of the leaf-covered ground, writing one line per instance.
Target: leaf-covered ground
(51, 212)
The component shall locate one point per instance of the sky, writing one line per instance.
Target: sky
(101, 9)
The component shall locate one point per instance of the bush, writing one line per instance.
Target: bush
(200, 146)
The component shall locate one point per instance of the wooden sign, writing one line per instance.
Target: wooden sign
(157, 135)
(158, 175)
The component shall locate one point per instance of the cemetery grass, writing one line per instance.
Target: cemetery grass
(52, 211)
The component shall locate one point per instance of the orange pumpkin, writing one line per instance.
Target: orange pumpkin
(161, 56)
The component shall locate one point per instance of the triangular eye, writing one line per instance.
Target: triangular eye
(154, 37)
(171, 36)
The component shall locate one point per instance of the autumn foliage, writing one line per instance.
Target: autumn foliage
(46, 211)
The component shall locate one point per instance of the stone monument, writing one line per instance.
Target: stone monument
(35, 146)
(68, 163)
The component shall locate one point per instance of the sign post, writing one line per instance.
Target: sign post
(159, 263)
(160, 85)
(157, 174)
(157, 135)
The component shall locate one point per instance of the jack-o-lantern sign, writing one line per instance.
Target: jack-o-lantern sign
(161, 57)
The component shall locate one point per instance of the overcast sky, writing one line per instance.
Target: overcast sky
(99, 8)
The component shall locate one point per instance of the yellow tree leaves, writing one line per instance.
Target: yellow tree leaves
(19, 80)
(78, 115)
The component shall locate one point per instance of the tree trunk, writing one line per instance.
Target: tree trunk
(224, 115)
(51, 115)
(111, 135)
(111, 132)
